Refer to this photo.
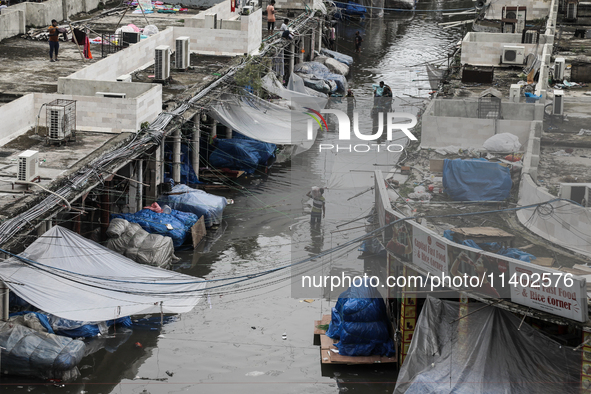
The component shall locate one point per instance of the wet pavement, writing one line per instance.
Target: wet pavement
(254, 336)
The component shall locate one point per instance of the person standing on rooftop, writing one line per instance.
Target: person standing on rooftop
(54, 43)
(271, 16)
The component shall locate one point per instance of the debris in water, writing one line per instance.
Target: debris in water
(255, 373)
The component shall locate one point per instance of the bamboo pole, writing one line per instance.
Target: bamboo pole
(76, 41)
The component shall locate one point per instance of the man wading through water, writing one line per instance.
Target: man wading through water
(318, 205)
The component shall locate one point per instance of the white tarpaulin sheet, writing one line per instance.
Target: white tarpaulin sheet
(271, 84)
(75, 278)
(263, 121)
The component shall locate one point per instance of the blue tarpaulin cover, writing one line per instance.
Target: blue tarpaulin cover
(360, 323)
(241, 154)
(476, 180)
(156, 223)
(197, 202)
(352, 8)
(493, 247)
(72, 328)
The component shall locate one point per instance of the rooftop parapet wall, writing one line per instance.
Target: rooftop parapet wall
(569, 224)
(41, 14)
(13, 126)
(93, 113)
(455, 122)
(486, 49)
(12, 22)
(79, 87)
(536, 9)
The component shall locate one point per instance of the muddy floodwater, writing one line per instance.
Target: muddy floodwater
(253, 336)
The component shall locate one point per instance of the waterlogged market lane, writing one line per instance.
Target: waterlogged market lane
(254, 336)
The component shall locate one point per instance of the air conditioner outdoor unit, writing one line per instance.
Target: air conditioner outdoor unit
(571, 10)
(558, 104)
(61, 120)
(124, 78)
(111, 94)
(559, 67)
(513, 54)
(182, 54)
(28, 165)
(530, 37)
(577, 192)
(131, 37)
(162, 63)
(247, 10)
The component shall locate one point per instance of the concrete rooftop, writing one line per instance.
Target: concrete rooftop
(25, 63)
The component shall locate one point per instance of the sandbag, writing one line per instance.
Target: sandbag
(132, 241)
(502, 143)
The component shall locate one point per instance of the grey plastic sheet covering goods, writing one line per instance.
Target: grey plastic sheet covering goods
(484, 352)
(78, 279)
(271, 84)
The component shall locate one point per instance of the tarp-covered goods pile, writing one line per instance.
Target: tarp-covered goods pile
(197, 202)
(176, 225)
(360, 323)
(242, 154)
(476, 180)
(132, 241)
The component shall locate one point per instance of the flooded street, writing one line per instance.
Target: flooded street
(234, 341)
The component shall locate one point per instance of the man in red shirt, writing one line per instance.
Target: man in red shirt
(271, 16)
(54, 44)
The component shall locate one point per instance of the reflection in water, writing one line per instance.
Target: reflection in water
(316, 239)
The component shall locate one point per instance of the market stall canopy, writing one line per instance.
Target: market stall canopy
(471, 349)
(263, 121)
(72, 277)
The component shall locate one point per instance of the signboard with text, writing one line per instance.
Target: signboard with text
(429, 252)
(484, 274)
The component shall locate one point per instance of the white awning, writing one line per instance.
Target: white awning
(69, 276)
(264, 121)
